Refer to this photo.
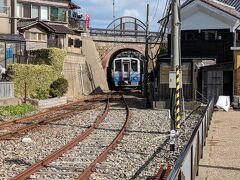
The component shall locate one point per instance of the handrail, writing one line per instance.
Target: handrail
(178, 164)
(197, 92)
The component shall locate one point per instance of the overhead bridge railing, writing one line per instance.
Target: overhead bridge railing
(187, 165)
(124, 33)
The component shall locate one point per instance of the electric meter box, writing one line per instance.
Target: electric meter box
(172, 79)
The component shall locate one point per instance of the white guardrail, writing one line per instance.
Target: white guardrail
(6, 90)
(187, 165)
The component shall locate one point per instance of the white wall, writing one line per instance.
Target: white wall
(199, 15)
(200, 20)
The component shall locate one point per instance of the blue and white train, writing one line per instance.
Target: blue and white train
(127, 72)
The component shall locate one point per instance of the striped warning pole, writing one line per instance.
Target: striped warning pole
(177, 111)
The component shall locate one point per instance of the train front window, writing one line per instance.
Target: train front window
(118, 65)
(134, 66)
(125, 66)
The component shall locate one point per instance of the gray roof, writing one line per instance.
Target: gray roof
(60, 29)
(11, 37)
(235, 3)
(55, 28)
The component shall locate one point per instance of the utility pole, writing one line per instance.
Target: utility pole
(146, 94)
(114, 14)
(175, 55)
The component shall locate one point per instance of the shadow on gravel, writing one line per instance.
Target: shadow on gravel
(148, 132)
(159, 149)
(17, 161)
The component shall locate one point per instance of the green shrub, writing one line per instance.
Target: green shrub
(41, 93)
(38, 79)
(59, 87)
(18, 110)
(53, 57)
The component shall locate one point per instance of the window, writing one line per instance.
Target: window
(210, 35)
(19, 10)
(44, 13)
(77, 43)
(126, 67)
(189, 35)
(70, 42)
(35, 11)
(27, 10)
(34, 36)
(3, 6)
(134, 66)
(27, 35)
(58, 14)
(118, 66)
(41, 37)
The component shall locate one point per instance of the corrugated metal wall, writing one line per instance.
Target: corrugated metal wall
(213, 84)
(6, 90)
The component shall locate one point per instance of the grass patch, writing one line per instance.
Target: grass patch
(18, 110)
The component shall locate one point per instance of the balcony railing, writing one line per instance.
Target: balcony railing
(4, 10)
(77, 24)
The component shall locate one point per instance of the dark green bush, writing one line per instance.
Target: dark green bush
(58, 88)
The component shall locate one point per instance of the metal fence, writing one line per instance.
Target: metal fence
(187, 165)
(6, 90)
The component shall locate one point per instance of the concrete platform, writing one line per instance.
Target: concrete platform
(221, 157)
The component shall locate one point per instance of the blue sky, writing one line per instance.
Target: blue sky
(101, 11)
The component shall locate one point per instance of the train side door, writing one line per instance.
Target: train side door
(126, 70)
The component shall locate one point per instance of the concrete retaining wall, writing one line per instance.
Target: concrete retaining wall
(10, 102)
(94, 62)
(47, 103)
(75, 71)
(6, 90)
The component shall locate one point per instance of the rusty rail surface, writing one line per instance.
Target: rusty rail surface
(163, 172)
(35, 167)
(45, 121)
(48, 111)
(92, 167)
(34, 116)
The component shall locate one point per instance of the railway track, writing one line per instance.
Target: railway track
(22, 125)
(79, 158)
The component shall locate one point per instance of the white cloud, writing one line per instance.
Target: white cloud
(101, 11)
(131, 12)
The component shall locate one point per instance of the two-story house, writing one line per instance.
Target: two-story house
(209, 29)
(48, 23)
(10, 42)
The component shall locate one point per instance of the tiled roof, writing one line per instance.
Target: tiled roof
(61, 29)
(232, 11)
(234, 3)
(12, 37)
(23, 24)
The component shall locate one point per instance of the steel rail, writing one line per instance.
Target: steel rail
(48, 111)
(41, 122)
(163, 173)
(179, 162)
(92, 167)
(35, 167)
(34, 116)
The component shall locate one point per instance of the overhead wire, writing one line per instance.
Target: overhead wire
(162, 30)
(155, 11)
